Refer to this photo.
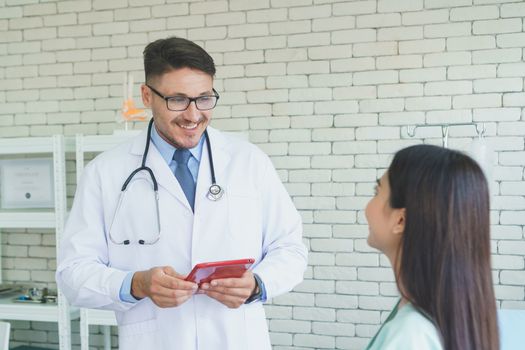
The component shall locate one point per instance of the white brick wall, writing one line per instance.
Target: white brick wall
(325, 87)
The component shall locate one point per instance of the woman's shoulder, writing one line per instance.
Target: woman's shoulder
(408, 330)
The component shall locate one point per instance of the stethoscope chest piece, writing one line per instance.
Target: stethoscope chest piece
(215, 192)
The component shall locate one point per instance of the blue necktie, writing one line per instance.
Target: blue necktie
(183, 174)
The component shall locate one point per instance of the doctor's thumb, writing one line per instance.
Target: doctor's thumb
(168, 270)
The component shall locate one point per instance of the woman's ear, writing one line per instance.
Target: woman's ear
(400, 219)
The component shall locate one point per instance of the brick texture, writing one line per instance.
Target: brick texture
(326, 88)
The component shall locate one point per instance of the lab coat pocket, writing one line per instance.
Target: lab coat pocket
(140, 335)
(138, 320)
(138, 328)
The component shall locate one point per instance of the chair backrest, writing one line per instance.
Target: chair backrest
(511, 329)
(5, 327)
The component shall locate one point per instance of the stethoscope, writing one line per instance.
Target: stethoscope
(215, 192)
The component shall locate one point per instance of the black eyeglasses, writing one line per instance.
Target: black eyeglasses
(181, 103)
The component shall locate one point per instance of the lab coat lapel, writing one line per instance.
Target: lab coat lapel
(221, 158)
(163, 174)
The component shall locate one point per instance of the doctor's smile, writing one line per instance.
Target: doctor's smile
(187, 127)
(182, 102)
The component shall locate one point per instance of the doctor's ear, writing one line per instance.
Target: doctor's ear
(146, 95)
(400, 220)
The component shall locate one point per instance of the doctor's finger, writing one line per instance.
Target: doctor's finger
(171, 301)
(228, 300)
(175, 280)
(233, 282)
(246, 280)
(170, 271)
(161, 276)
(169, 286)
(235, 292)
(159, 292)
(170, 282)
(180, 284)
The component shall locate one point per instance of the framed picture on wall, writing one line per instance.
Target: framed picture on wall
(27, 183)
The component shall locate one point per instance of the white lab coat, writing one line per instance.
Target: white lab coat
(255, 219)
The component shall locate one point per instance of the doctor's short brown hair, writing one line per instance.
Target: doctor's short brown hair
(164, 55)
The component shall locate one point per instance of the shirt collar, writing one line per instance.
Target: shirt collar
(167, 150)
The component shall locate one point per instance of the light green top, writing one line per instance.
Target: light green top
(406, 329)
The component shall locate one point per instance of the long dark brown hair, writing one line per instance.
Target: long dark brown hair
(444, 259)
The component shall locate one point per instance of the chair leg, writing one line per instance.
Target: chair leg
(106, 330)
(84, 330)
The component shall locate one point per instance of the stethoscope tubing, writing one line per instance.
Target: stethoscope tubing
(215, 191)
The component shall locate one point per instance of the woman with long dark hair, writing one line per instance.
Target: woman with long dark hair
(430, 217)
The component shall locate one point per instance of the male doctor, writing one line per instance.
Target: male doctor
(130, 251)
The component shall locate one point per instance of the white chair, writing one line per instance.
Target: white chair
(511, 329)
(104, 318)
(5, 328)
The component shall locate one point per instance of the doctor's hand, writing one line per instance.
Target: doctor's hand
(163, 285)
(231, 292)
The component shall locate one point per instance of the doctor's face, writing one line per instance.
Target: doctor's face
(182, 129)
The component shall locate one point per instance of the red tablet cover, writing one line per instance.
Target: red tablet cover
(208, 271)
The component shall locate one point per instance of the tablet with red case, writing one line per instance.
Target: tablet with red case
(208, 271)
